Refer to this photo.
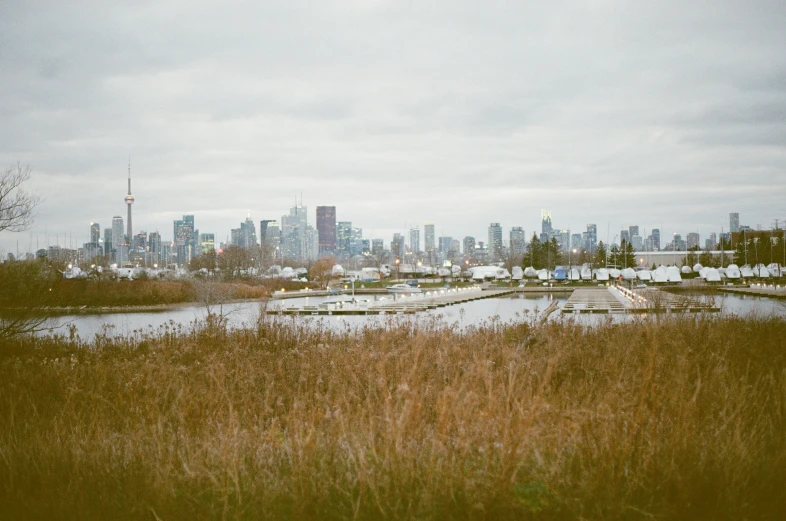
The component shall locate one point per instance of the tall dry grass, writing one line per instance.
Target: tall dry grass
(677, 419)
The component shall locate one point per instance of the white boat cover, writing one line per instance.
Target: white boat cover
(673, 274)
(660, 275)
(686, 270)
(530, 272)
(602, 274)
(628, 274)
(644, 275)
(733, 271)
(697, 267)
(712, 275)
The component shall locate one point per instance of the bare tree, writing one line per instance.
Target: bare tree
(17, 206)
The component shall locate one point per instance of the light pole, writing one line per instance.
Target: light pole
(397, 273)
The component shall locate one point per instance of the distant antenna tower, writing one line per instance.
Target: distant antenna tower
(129, 201)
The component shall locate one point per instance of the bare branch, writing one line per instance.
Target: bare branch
(17, 206)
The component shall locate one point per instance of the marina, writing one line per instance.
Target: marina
(617, 299)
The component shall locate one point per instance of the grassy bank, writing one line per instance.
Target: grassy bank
(681, 419)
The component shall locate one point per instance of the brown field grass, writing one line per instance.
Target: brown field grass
(677, 419)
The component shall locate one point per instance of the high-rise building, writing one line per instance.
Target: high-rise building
(207, 242)
(108, 241)
(637, 242)
(495, 241)
(633, 230)
(625, 236)
(575, 241)
(95, 233)
(273, 238)
(397, 246)
(469, 245)
(545, 225)
(129, 201)
(429, 244)
(154, 240)
(377, 247)
(655, 239)
(184, 239)
(591, 242)
(293, 233)
(119, 245)
(518, 240)
(414, 240)
(343, 237)
(693, 240)
(326, 228)
(444, 244)
(734, 222)
(712, 242)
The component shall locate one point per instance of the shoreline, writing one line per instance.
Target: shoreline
(109, 310)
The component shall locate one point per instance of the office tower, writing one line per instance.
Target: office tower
(678, 244)
(545, 225)
(359, 247)
(154, 241)
(311, 244)
(625, 236)
(637, 243)
(377, 247)
(575, 241)
(184, 239)
(655, 239)
(326, 228)
(455, 246)
(693, 240)
(397, 246)
(140, 241)
(119, 240)
(95, 233)
(429, 244)
(249, 233)
(207, 242)
(414, 240)
(108, 241)
(444, 244)
(734, 222)
(293, 233)
(272, 238)
(633, 230)
(343, 236)
(591, 242)
(712, 242)
(563, 239)
(356, 235)
(495, 241)
(129, 201)
(518, 240)
(469, 245)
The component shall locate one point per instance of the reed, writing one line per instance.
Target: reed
(668, 419)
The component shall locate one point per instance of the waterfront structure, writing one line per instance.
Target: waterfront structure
(414, 240)
(326, 228)
(734, 222)
(495, 241)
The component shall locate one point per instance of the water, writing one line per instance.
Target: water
(505, 310)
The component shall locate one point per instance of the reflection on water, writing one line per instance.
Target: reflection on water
(499, 310)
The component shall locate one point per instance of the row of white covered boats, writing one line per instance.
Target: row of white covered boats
(662, 274)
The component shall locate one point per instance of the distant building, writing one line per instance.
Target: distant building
(693, 240)
(343, 237)
(293, 233)
(414, 240)
(633, 230)
(207, 242)
(397, 246)
(184, 239)
(95, 232)
(326, 228)
(637, 242)
(518, 240)
(545, 225)
(591, 238)
(495, 241)
(734, 222)
(469, 245)
(154, 242)
(118, 240)
(429, 244)
(444, 244)
(377, 247)
(625, 236)
(655, 239)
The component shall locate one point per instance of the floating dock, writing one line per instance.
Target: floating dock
(617, 299)
(401, 304)
(759, 290)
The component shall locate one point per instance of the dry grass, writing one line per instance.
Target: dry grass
(682, 419)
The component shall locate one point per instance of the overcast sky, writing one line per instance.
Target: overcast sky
(660, 114)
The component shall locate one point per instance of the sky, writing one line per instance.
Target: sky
(663, 114)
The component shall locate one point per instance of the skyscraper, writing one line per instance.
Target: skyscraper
(495, 241)
(129, 201)
(469, 245)
(414, 240)
(95, 233)
(184, 239)
(343, 237)
(518, 240)
(326, 228)
(293, 233)
(429, 243)
(693, 240)
(655, 239)
(108, 241)
(119, 244)
(734, 222)
(397, 246)
(545, 225)
(592, 238)
(633, 230)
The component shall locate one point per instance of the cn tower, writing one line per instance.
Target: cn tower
(129, 202)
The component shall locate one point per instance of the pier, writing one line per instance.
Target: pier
(759, 290)
(617, 299)
(398, 304)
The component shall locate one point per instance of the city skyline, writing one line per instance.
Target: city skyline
(456, 113)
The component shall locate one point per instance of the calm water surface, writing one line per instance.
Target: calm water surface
(513, 309)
